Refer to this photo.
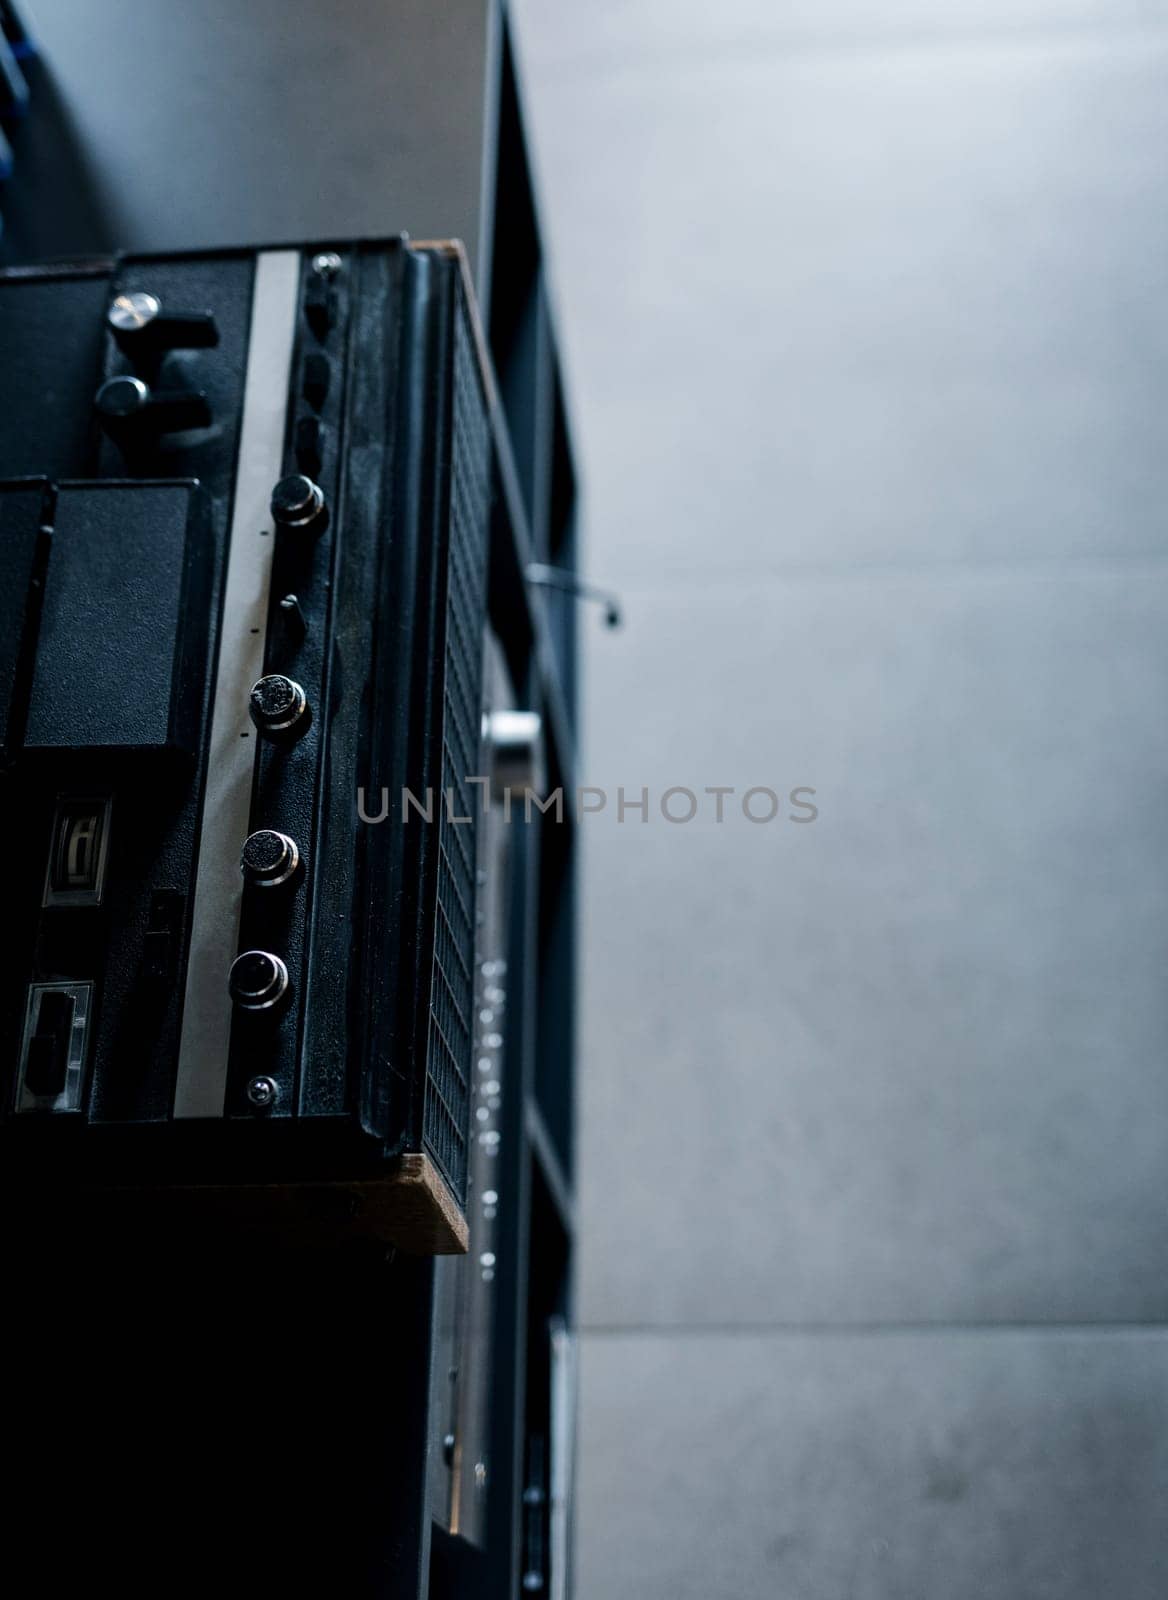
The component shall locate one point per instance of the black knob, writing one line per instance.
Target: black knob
(141, 325)
(130, 408)
(298, 504)
(279, 707)
(258, 981)
(269, 859)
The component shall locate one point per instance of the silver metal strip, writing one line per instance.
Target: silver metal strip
(563, 1457)
(206, 1027)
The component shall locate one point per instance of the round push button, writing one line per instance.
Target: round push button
(258, 980)
(279, 707)
(269, 858)
(298, 504)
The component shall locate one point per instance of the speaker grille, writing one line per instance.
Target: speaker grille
(446, 1111)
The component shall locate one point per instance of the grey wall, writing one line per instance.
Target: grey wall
(863, 307)
(331, 118)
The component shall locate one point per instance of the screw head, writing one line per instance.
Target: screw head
(262, 1093)
(327, 264)
(129, 313)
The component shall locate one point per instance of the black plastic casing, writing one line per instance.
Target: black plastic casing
(102, 692)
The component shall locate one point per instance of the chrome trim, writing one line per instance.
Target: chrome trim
(201, 1081)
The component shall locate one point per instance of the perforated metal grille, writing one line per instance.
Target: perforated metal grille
(446, 1112)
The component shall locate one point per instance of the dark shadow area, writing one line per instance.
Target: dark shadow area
(54, 204)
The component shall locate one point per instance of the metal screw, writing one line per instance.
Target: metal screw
(262, 1093)
(327, 264)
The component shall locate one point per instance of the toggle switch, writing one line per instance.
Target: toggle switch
(130, 409)
(293, 618)
(142, 326)
(320, 298)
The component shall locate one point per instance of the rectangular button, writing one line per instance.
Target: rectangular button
(56, 1040)
(78, 852)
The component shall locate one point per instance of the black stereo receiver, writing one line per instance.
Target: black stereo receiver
(245, 506)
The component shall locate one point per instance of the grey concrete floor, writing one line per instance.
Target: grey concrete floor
(863, 307)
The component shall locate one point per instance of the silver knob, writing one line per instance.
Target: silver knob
(514, 741)
(130, 313)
